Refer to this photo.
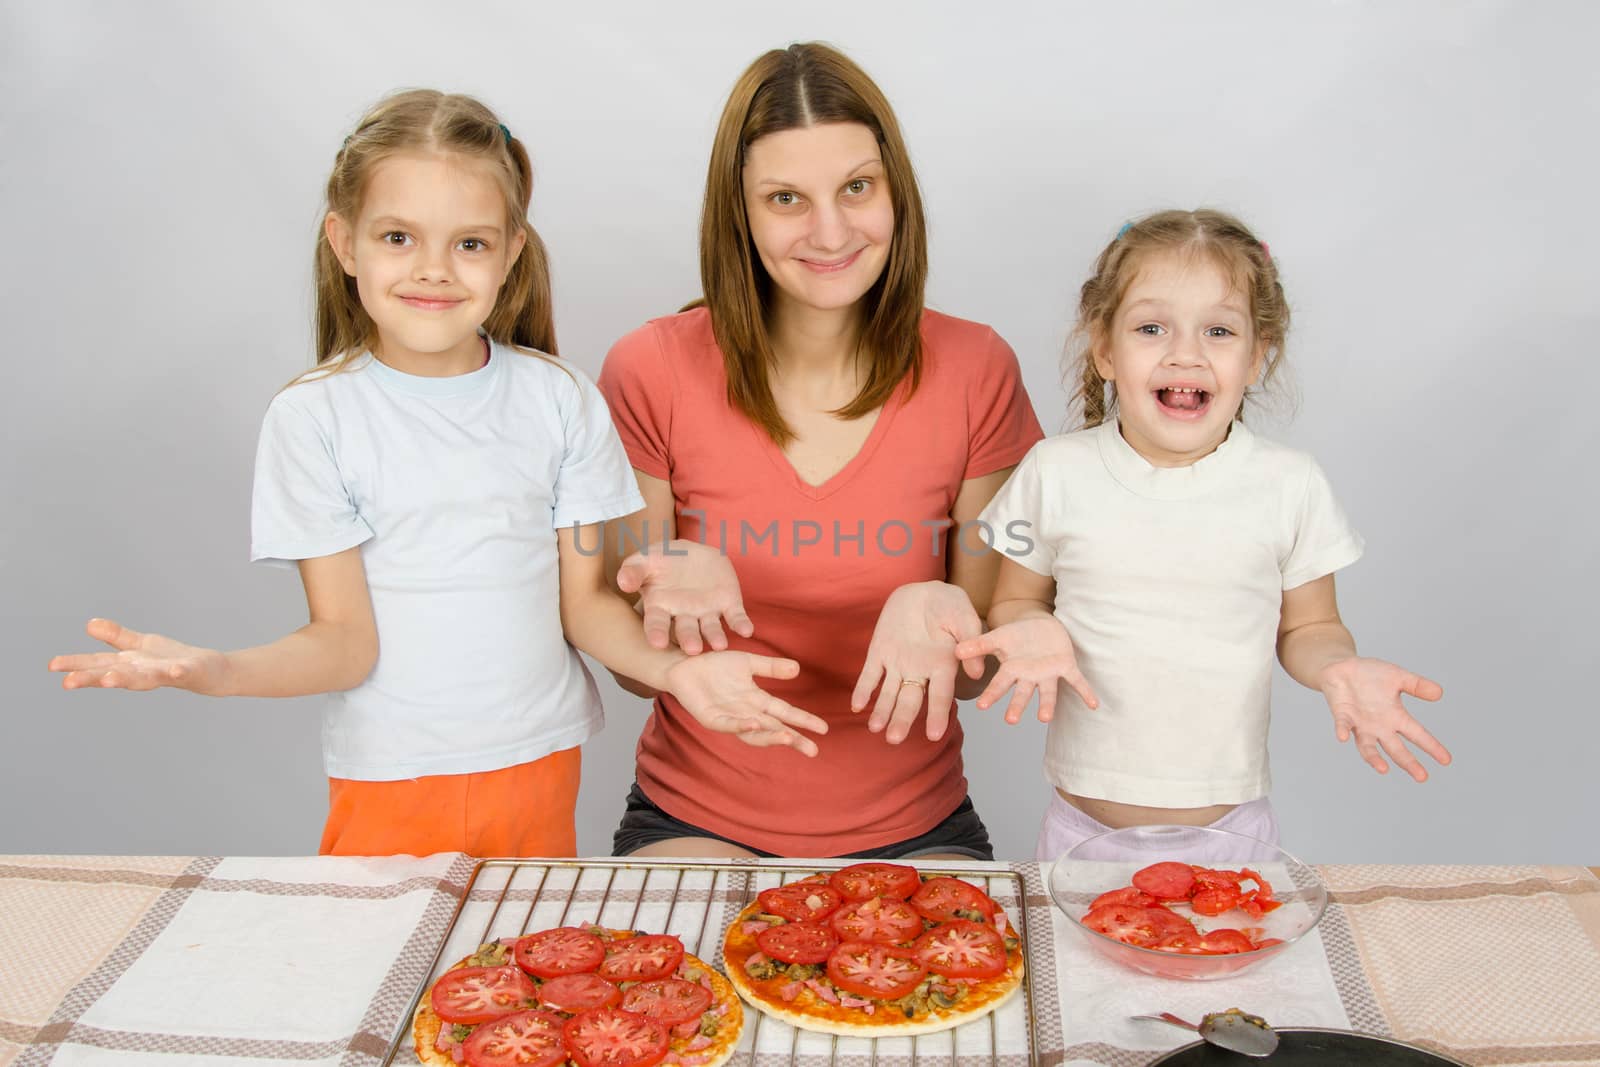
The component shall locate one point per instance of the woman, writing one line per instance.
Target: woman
(813, 445)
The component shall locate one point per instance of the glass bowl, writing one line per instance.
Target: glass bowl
(1108, 861)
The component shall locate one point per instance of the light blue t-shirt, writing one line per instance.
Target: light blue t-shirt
(454, 487)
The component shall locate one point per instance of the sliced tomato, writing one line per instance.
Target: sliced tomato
(1215, 878)
(564, 950)
(572, 993)
(477, 994)
(862, 880)
(528, 1039)
(1225, 941)
(1135, 925)
(962, 949)
(1215, 901)
(870, 969)
(798, 942)
(801, 902)
(1187, 942)
(1165, 881)
(611, 1037)
(1269, 942)
(1263, 887)
(944, 899)
(1126, 895)
(876, 919)
(641, 958)
(669, 1001)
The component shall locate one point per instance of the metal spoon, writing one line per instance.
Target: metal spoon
(1235, 1030)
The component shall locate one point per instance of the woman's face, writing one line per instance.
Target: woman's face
(821, 216)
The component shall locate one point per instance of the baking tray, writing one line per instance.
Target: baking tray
(697, 901)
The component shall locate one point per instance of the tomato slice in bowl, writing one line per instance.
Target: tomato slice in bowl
(611, 1037)
(869, 969)
(641, 958)
(962, 949)
(1224, 941)
(862, 880)
(563, 950)
(944, 899)
(669, 1001)
(798, 942)
(801, 902)
(1126, 895)
(472, 995)
(876, 919)
(1165, 881)
(572, 993)
(528, 1039)
(1215, 901)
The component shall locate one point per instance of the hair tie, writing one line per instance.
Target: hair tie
(1126, 226)
(507, 134)
(1266, 251)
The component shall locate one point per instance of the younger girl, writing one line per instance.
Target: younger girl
(431, 479)
(1165, 551)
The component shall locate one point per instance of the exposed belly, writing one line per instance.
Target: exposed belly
(1117, 816)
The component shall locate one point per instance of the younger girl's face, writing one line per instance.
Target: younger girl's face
(821, 217)
(1181, 350)
(429, 251)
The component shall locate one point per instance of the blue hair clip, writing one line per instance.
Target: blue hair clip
(1126, 226)
(507, 134)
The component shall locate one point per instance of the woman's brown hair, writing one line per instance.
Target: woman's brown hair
(425, 120)
(800, 86)
(1226, 241)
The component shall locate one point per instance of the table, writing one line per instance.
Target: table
(206, 960)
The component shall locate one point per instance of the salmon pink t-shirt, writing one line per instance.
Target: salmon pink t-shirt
(815, 564)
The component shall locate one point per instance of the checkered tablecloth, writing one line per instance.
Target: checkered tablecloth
(173, 960)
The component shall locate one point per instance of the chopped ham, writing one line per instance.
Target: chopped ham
(687, 1029)
(792, 990)
(446, 1042)
(1000, 923)
(697, 1044)
(752, 927)
(847, 1001)
(822, 991)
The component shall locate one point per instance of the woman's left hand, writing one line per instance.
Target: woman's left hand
(912, 658)
(1364, 696)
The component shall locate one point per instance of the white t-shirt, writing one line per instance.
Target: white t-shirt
(1170, 583)
(454, 487)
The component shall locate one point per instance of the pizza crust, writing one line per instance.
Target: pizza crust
(425, 1024)
(810, 1012)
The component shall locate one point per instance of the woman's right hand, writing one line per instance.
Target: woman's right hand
(1034, 652)
(719, 690)
(686, 590)
(142, 661)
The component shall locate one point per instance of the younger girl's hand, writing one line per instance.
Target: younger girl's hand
(1364, 696)
(686, 592)
(142, 661)
(913, 655)
(1033, 653)
(719, 690)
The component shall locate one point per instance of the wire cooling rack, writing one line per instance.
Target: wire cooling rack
(697, 901)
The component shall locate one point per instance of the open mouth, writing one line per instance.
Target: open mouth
(1183, 401)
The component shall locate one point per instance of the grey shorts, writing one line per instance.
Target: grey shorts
(961, 833)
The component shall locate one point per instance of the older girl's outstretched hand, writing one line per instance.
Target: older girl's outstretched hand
(687, 590)
(719, 690)
(1034, 653)
(1364, 696)
(141, 661)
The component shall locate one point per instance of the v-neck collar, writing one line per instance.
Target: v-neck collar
(845, 474)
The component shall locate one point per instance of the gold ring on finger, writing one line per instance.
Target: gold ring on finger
(918, 682)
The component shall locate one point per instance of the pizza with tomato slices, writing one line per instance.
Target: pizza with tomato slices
(587, 996)
(874, 950)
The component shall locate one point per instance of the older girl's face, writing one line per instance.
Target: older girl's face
(821, 217)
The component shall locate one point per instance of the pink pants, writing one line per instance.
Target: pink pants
(1065, 826)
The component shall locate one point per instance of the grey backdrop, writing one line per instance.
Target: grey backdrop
(1424, 173)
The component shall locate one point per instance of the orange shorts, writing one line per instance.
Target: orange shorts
(526, 810)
